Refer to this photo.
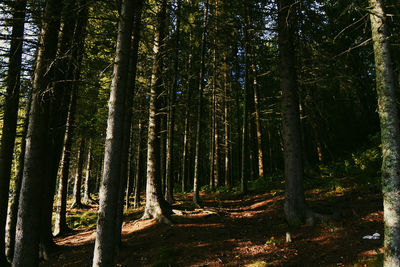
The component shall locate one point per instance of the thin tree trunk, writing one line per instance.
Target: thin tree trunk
(226, 125)
(171, 114)
(131, 172)
(295, 206)
(28, 225)
(10, 116)
(13, 214)
(200, 108)
(77, 193)
(138, 182)
(244, 159)
(62, 88)
(86, 187)
(258, 122)
(156, 207)
(60, 225)
(105, 243)
(390, 134)
(129, 95)
(185, 171)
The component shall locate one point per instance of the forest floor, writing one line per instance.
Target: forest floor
(232, 230)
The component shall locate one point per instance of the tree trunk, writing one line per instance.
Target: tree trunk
(129, 95)
(28, 225)
(60, 221)
(105, 243)
(13, 214)
(226, 125)
(77, 193)
(138, 182)
(258, 122)
(185, 158)
(200, 107)
(171, 114)
(76, 52)
(86, 187)
(295, 206)
(10, 116)
(65, 65)
(156, 207)
(390, 134)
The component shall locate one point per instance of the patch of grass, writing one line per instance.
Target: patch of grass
(85, 220)
(376, 261)
(257, 264)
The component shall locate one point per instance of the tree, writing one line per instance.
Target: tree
(28, 225)
(171, 113)
(295, 205)
(156, 207)
(203, 45)
(10, 116)
(106, 242)
(390, 134)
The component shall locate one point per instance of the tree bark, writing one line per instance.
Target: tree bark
(295, 206)
(200, 107)
(10, 116)
(77, 193)
(86, 187)
(129, 95)
(60, 221)
(104, 251)
(138, 182)
(390, 134)
(185, 158)
(258, 122)
(171, 114)
(156, 207)
(13, 214)
(60, 225)
(226, 126)
(28, 225)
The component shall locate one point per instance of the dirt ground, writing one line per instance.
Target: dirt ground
(234, 231)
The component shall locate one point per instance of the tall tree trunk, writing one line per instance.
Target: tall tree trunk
(77, 193)
(226, 125)
(200, 107)
(129, 95)
(295, 206)
(138, 182)
(171, 113)
(60, 221)
(156, 207)
(131, 172)
(28, 225)
(62, 87)
(60, 224)
(10, 116)
(105, 243)
(185, 158)
(13, 214)
(86, 187)
(390, 134)
(258, 122)
(244, 158)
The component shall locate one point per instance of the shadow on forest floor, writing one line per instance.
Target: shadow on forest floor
(233, 231)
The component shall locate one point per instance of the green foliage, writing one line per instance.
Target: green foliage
(274, 181)
(78, 220)
(258, 264)
(376, 261)
(364, 164)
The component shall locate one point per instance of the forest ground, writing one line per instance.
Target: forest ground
(234, 230)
